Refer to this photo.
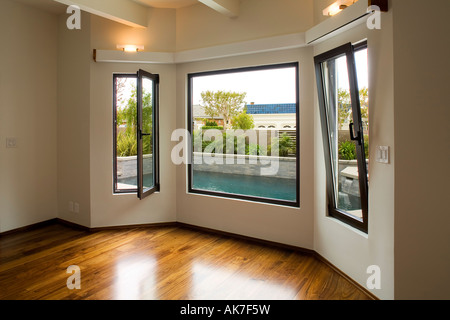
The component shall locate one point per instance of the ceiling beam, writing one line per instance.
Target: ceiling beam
(229, 8)
(124, 11)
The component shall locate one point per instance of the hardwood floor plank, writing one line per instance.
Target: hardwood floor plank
(161, 263)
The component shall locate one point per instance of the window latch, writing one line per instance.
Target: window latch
(142, 134)
(352, 136)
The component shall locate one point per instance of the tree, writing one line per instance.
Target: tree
(223, 103)
(127, 140)
(344, 105)
(364, 101)
(243, 121)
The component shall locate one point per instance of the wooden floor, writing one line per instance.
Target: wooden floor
(163, 263)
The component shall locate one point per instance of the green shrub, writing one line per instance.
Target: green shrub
(366, 145)
(250, 149)
(212, 127)
(212, 123)
(285, 145)
(255, 150)
(207, 143)
(347, 150)
(126, 144)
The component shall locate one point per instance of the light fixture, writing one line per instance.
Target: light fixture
(337, 7)
(130, 48)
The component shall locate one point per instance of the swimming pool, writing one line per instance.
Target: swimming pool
(255, 186)
(132, 181)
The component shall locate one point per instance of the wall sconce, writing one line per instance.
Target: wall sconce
(337, 7)
(130, 48)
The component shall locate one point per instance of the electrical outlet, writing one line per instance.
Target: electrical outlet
(70, 206)
(76, 207)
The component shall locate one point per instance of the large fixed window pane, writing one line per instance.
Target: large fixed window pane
(136, 148)
(244, 128)
(343, 97)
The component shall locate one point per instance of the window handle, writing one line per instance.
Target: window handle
(352, 136)
(141, 134)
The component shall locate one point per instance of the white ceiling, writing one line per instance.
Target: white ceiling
(172, 4)
(58, 8)
(46, 5)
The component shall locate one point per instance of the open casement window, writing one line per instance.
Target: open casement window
(148, 146)
(136, 133)
(342, 121)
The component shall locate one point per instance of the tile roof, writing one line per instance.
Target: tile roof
(272, 108)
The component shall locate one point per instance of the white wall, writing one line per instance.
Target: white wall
(159, 36)
(286, 225)
(199, 26)
(73, 121)
(28, 95)
(345, 247)
(108, 209)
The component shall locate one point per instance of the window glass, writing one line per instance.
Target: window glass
(342, 77)
(125, 133)
(136, 162)
(241, 145)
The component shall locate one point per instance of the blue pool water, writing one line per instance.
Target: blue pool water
(132, 181)
(257, 186)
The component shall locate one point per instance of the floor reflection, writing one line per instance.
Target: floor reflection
(231, 283)
(135, 278)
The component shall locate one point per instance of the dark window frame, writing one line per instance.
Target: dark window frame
(190, 122)
(115, 178)
(347, 50)
(141, 193)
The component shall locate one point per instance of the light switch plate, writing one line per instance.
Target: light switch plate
(383, 154)
(11, 142)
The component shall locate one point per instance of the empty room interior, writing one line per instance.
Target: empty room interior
(224, 149)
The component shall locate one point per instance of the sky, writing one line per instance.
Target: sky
(361, 69)
(272, 86)
(262, 86)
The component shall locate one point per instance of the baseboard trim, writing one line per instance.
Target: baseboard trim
(247, 238)
(84, 228)
(135, 226)
(342, 274)
(72, 224)
(119, 227)
(30, 227)
(200, 229)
